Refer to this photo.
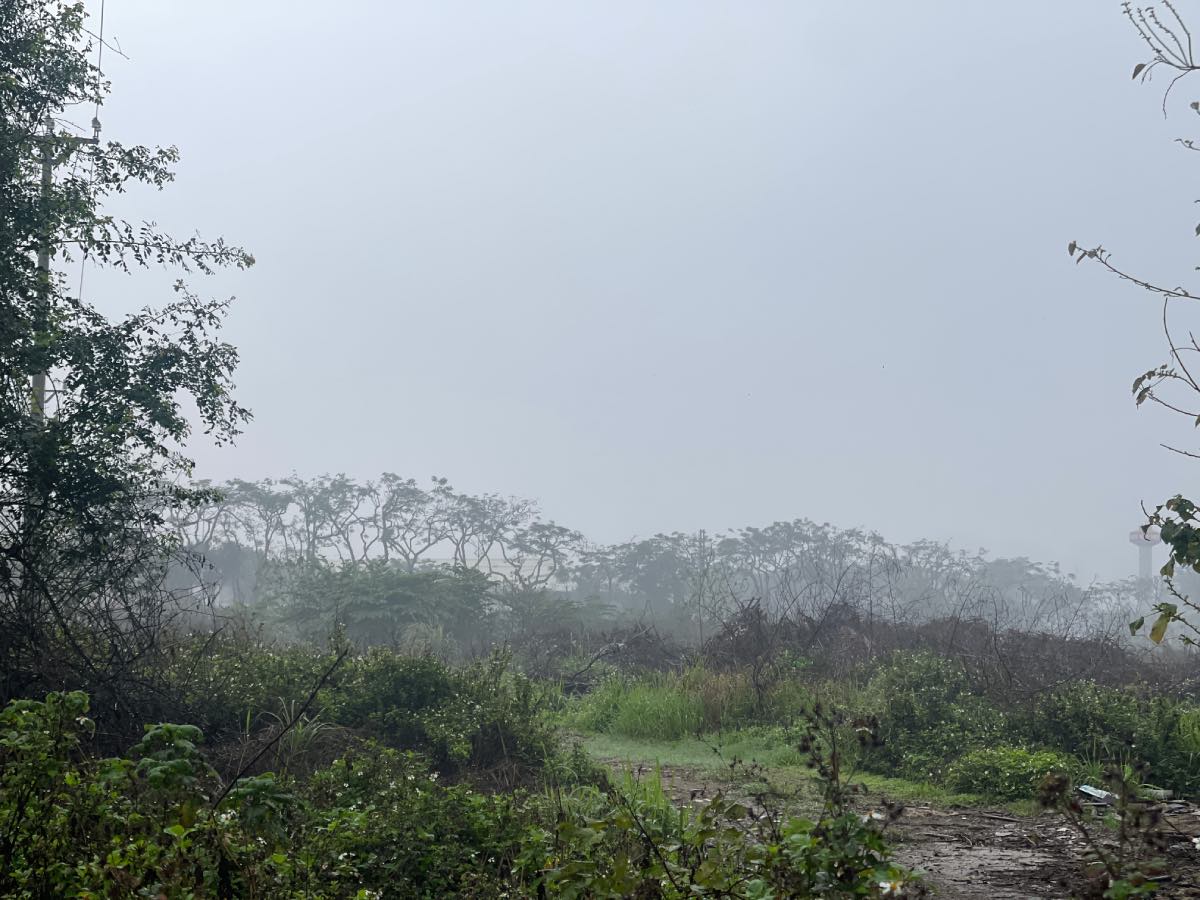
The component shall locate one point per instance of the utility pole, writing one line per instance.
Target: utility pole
(28, 595)
(37, 400)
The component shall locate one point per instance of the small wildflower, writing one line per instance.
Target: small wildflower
(891, 888)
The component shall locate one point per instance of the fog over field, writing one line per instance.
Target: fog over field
(685, 265)
(659, 449)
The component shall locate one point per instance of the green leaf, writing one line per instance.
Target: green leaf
(1137, 70)
(1136, 625)
(1159, 629)
(1071, 248)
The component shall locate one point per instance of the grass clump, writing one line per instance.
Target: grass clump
(666, 706)
(657, 712)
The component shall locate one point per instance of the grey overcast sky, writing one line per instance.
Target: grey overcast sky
(669, 265)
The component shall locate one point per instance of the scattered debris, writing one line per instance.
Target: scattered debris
(1098, 794)
(1153, 793)
(999, 818)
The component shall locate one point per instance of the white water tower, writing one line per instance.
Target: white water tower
(1145, 541)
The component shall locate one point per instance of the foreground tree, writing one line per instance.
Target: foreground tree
(92, 422)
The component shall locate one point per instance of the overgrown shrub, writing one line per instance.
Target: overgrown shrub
(786, 699)
(484, 719)
(74, 826)
(158, 823)
(1006, 773)
(383, 819)
(1083, 717)
(928, 716)
(1105, 724)
(149, 824)
(219, 680)
(635, 850)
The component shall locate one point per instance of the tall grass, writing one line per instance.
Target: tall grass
(672, 705)
(658, 712)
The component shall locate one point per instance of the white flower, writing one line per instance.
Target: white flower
(891, 888)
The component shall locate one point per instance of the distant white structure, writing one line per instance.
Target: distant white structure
(1145, 541)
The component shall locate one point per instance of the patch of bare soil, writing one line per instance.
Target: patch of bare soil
(971, 853)
(976, 854)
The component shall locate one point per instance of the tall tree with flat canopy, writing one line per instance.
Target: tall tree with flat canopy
(92, 409)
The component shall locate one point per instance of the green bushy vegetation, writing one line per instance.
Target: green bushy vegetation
(1006, 773)
(1100, 723)
(935, 726)
(929, 715)
(483, 717)
(154, 821)
(707, 853)
(376, 822)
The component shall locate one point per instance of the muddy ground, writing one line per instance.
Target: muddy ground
(975, 853)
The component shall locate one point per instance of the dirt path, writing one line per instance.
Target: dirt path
(975, 854)
(971, 853)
